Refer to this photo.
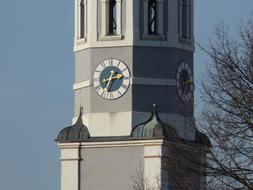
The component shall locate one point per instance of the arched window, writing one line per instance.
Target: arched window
(112, 18)
(153, 20)
(81, 20)
(185, 19)
(152, 17)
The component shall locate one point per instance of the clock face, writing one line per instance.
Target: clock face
(185, 85)
(111, 79)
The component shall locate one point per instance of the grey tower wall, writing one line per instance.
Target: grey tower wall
(145, 62)
(110, 168)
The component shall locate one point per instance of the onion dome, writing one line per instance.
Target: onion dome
(75, 133)
(154, 128)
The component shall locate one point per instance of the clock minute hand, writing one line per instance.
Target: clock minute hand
(109, 81)
(118, 76)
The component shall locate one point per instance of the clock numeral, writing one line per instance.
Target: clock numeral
(96, 79)
(119, 92)
(126, 78)
(124, 69)
(97, 71)
(103, 64)
(104, 94)
(118, 64)
(110, 62)
(111, 95)
(97, 88)
(124, 86)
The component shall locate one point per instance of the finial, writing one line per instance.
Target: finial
(81, 110)
(79, 122)
(154, 109)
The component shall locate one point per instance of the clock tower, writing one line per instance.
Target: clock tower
(130, 55)
(148, 46)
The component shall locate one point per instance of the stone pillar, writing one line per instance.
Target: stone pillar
(119, 13)
(70, 158)
(160, 17)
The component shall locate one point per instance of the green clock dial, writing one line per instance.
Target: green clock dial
(111, 79)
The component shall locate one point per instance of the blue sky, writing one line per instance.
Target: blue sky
(36, 76)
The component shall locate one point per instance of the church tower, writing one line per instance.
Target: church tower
(133, 93)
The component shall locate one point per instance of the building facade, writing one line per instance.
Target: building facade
(134, 96)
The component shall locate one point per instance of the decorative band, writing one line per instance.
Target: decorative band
(134, 81)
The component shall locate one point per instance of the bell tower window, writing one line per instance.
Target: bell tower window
(112, 18)
(82, 19)
(185, 19)
(152, 17)
(81, 23)
(111, 11)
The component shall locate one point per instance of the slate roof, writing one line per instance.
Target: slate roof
(202, 139)
(154, 128)
(75, 133)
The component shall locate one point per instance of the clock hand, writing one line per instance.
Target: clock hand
(109, 81)
(185, 83)
(118, 76)
(185, 86)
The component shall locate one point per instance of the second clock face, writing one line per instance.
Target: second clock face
(185, 86)
(111, 79)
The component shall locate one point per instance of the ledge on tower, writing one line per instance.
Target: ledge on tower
(154, 128)
(75, 133)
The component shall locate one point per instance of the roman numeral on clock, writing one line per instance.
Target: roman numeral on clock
(97, 88)
(119, 92)
(110, 62)
(124, 86)
(103, 64)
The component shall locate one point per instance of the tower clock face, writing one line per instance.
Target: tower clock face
(185, 85)
(111, 79)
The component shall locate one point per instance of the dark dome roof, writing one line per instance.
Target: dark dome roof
(202, 139)
(75, 133)
(154, 128)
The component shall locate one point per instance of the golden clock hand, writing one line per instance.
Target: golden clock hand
(109, 81)
(118, 76)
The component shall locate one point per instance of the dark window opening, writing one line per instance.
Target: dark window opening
(112, 18)
(185, 20)
(82, 19)
(152, 14)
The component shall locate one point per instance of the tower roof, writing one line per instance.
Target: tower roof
(75, 133)
(202, 139)
(154, 128)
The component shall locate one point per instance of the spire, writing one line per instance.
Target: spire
(79, 122)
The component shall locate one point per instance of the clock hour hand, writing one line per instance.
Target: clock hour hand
(185, 84)
(118, 76)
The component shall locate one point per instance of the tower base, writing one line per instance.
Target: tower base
(123, 163)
